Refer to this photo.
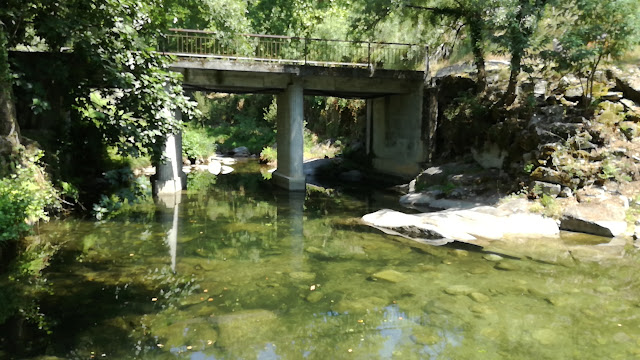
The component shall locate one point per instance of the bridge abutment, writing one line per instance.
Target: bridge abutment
(290, 127)
(396, 136)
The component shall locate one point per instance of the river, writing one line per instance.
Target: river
(235, 269)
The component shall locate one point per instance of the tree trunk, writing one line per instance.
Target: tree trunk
(9, 129)
(516, 65)
(475, 30)
(518, 39)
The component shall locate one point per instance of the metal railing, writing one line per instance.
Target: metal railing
(296, 50)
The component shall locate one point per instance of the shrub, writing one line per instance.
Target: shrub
(269, 155)
(26, 195)
(196, 143)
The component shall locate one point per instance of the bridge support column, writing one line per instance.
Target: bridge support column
(169, 177)
(396, 141)
(290, 125)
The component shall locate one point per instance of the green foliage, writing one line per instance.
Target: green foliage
(201, 181)
(608, 170)
(223, 16)
(196, 143)
(126, 193)
(286, 17)
(113, 47)
(26, 196)
(269, 155)
(551, 207)
(599, 30)
(237, 120)
(528, 168)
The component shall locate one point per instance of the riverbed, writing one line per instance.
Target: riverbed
(236, 269)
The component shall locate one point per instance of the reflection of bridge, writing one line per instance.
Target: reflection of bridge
(390, 76)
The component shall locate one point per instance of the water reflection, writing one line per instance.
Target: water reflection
(258, 273)
(290, 213)
(170, 202)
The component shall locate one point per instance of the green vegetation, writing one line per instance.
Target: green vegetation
(229, 121)
(26, 196)
(196, 143)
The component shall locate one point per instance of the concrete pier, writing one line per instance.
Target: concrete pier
(169, 177)
(290, 125)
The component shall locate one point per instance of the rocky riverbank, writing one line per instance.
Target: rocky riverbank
(557, 169)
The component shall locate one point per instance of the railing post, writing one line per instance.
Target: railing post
(427, 72)
(305, 51)
(369, 55)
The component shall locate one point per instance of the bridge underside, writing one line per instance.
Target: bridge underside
(394, 107)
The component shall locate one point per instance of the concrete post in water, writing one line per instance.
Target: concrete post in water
(290, 125)
(169, 177)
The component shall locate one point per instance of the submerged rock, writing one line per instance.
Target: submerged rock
(459, 290)
(507, 266)
(389, 275)
(314, 296)
(479, 297)
(425, 336)
(545, 336)
(360, 306)
(302, 276)
(245, 327)
(493, 257)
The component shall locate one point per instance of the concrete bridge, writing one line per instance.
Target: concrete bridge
(390, 76)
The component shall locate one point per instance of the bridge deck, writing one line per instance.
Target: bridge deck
(215, 73)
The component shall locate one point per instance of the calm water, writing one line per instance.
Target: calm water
(243, 271)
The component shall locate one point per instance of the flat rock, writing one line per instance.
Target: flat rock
(507, 266)
(548, 175)
(459, 290)
(479, 297)
(462, 225)
(247, 326)
(425, 336)
(389, 275)
(214, 167)
(360, 306)
(314, 296)
(493, 257)
(302, 276)
(630, 85)
(602, 218)
(547, 188)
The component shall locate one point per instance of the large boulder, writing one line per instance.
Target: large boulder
(628, 82)
(471, 225)
(241, 151)
(602, 217)
(490, 156)
(438, 175)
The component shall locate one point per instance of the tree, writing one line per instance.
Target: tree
(286, 17)
(130, 94)
(223, 16)
(473, 14)
(519, 24)
(601, 30)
